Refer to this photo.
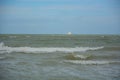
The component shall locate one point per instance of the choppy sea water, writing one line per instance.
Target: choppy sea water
(59, 57)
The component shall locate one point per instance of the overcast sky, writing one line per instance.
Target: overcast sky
(60, 16)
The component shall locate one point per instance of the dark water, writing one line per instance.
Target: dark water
(59, 57)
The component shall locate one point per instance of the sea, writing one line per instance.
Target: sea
(59, 57)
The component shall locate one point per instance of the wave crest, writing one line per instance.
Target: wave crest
(77, 57)
(90, 62)
(8, 49)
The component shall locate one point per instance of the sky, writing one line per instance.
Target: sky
(59, 16)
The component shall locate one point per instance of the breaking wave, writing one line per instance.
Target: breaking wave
(7, 49)
(77, 57)
(90, 62)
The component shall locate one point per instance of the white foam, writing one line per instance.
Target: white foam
(90, 62)
(45, 49)
(12, 36)
(81, 56)
(1, 44)
(28, 36)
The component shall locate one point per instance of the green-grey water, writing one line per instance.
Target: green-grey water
(59, 57)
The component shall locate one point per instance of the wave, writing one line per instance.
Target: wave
(28, 36)
(112, 48)
(90, 62)
(8, 49)
(77, 57)
(12, 36)
(2, 58)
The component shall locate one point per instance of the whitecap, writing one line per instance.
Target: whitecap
(12, 36)
(81, 56)
(28, 36)
(7, 49)
(90, 62)
(1, 44)
(77, 57)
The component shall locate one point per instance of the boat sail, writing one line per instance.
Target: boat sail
(69, 33)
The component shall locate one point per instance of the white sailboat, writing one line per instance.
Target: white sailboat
(69, 33)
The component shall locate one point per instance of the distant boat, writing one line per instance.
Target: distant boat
(69, 33)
